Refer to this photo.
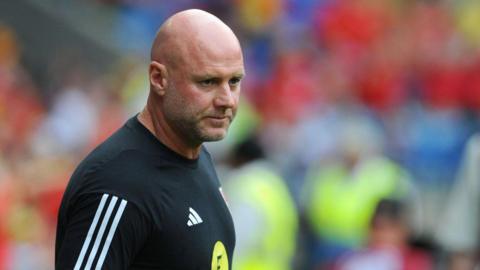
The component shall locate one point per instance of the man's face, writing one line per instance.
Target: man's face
(203, 92)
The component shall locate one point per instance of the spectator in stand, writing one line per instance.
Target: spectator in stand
(340, 194)
(388, 246)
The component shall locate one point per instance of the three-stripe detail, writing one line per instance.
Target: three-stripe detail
(193, 217)
(105, 226)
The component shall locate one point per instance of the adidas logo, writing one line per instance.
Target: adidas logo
(193, 218)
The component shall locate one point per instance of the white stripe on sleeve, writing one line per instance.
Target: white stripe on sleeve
(86, 243)
(105, 220)
(111, 233)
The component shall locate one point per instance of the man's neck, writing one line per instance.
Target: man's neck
(164, 133)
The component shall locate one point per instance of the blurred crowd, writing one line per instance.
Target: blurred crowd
(357, 112)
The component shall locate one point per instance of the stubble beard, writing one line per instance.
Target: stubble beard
(188, 124)
(202, 133)
(193, 130)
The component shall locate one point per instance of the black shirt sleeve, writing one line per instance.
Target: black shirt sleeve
(104, 231)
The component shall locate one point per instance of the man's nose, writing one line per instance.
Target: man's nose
(226, 97)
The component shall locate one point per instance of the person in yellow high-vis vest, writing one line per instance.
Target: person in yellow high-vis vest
(263, 211)
(340, 201)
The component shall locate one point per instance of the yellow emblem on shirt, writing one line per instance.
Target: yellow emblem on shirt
(219, 257)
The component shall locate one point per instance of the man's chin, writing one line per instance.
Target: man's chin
(214, 136)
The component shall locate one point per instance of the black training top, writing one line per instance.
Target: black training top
(135, 204)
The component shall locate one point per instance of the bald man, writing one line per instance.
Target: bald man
(149, 197)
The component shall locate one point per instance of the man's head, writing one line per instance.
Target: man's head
(195, 73)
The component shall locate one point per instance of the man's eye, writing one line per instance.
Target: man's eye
(207, 82)
(234, 81)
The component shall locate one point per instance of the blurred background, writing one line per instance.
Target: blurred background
(354, 146)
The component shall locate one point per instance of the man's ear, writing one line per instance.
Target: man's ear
(158, 78)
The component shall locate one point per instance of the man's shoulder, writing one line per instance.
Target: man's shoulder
(107, 151)
(116, 167)
(119, 163)
(129, 175)
(127, 148)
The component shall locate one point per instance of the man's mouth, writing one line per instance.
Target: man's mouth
(220, 117)
(220, 120)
